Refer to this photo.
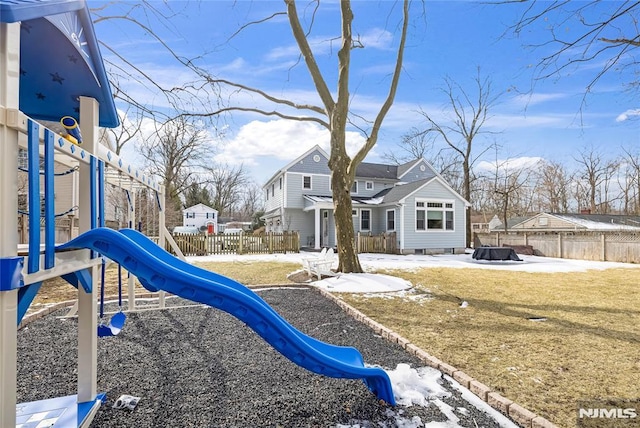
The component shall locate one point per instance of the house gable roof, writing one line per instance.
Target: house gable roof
(206, 207)
(572, 221)
(403, 191)
(598, 221)
(400, 192)
(388, 196)
(608, 220)
(296, 161)
(425, 168)
(377, 170)
(403, 168)
(511, 222)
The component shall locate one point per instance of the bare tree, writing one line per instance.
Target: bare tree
(129, 129)
(415, 144)
(512, 184)
(631, 186)
(227, 184)
(147, 18)
(252, 200)
(604, 34)
(595, 176)
(418, 144)
(173, 153)
(553, 187)
(469, 113)
(333, 113)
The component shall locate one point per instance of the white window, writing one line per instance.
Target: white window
(434, 215)
(191, 214)
(306, 182)
(365, 219)
(368, 185)
(273, 190)
(354, 212)
(211, 215)
(391, 220)
(280, 182)
(354, 187)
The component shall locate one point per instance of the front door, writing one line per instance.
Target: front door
(324, 242)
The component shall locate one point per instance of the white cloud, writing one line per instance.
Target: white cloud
(376, 38)
(528, 100)
(511, 121)
(280, 139)
(522, 162)
(627, 115)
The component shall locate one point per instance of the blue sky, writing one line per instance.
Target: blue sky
(546, 119)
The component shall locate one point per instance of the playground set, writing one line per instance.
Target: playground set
(51, 70)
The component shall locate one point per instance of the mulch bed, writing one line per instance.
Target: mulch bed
(200, 367)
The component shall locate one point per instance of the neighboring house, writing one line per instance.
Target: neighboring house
(201, 216)
(495, 225)
(568, 222)
(412, 200)
(479, 223)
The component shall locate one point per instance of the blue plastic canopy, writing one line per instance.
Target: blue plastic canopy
(59, 59)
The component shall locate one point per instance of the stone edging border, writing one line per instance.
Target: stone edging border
(519, 414)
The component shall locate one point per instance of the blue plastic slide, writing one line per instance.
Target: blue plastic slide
(347, 353)
(158, 270)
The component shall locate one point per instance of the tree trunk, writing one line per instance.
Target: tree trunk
(467, 195)
(505, 216)
(341, 181)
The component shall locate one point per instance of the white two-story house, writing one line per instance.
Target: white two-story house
(201, 216)
(412, 200)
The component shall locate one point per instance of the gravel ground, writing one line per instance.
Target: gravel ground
(199, 367)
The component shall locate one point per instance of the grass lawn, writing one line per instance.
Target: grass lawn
(588, 347)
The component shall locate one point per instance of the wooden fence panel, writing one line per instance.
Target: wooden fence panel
(241, 243)
(191, 245)
(383, 243)
(581, 245)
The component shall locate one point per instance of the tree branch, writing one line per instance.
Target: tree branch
(307, 53)
(373, 138)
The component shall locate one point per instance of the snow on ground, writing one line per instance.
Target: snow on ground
(371, 262)
(368, 283)
(422, 386)
(363, 283)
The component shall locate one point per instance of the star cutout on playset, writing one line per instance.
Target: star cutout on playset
(40, 95)
(56, 77)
